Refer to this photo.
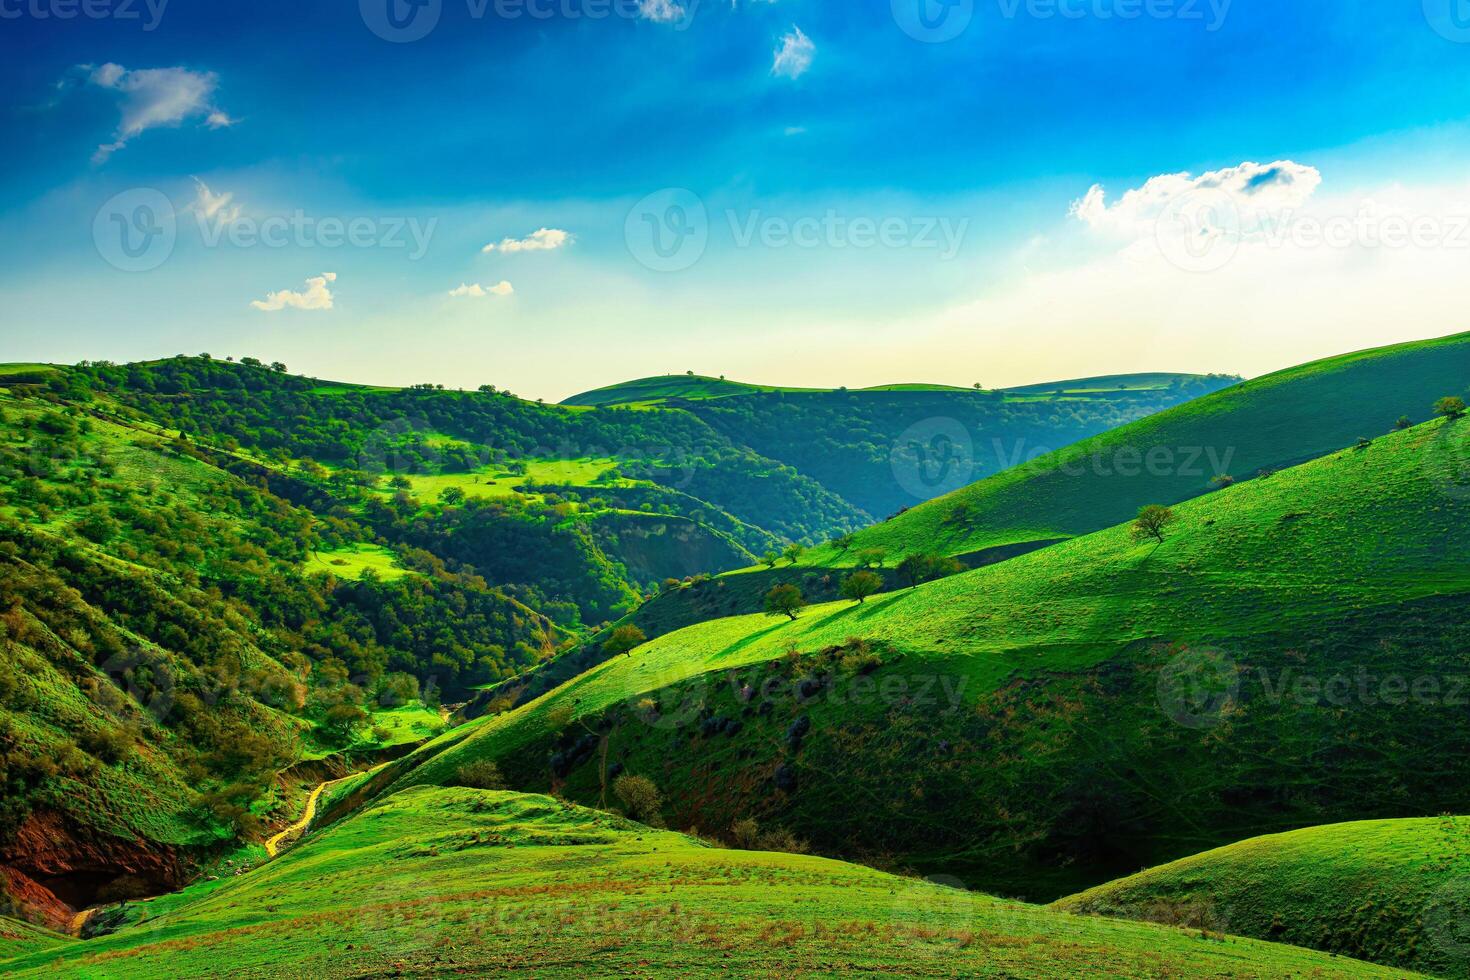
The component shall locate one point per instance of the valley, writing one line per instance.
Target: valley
(317, 676)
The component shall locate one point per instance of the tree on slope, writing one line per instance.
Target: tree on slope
(1151, 522)
(859, 585)
(785, 600)
(1451, 407)
(624, 640)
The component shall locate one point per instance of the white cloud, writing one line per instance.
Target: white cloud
(544, 240)
(220, 208)
(154, 97)
(501, 288)
(795, 54)
(316, 296)
(795, 130)
(1258, 193)
(1310, 271)
(660, 11)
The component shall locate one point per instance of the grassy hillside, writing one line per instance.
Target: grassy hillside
(1264, 424)
(1022, 725)
(1391, 891)
(694, 387)
(450, 881)
(648, 391)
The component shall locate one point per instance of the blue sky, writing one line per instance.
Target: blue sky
(870, 207)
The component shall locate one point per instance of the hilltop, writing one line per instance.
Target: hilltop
(1391, 891)
(697, 387)
(1256, 427)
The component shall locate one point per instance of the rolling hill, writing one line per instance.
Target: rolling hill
(458, 881)
(1023, 725)
(1390, 891)
(1258, 426)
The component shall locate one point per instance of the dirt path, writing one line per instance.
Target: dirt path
(273, 846)
(80, 919)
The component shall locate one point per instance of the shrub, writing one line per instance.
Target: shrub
(746, 834)
(480, 774)
(640, 797)
(1451, 407)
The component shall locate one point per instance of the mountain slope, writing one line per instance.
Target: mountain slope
(1264, 424)
(455, 881)
(1391, 891)
(1017, 724)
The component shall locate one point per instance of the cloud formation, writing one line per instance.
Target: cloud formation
(474, 289)
(219, 208)
(1257, 192)
(316, 296)
(542, 240)
(795, 55)
(660, 11)
(153, 97)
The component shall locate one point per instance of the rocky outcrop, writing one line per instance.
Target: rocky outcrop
(53, 866)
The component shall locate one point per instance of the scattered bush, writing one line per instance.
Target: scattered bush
(480, 774)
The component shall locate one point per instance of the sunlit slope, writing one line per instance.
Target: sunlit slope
(1392, 891)
(1268, 423)
(1026, 703)
(465, 882)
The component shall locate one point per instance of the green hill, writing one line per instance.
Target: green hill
(1261, 425)
(455, 881)
(694, 387)
(1023, 725)
(1391, 891)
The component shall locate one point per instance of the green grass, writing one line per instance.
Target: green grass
(1267, 423)
(350, 562)
(18, 938)
(407, 724)
(453, 881)
(493, 482)
(1057, 656)
(645, 391)
(1391, 891)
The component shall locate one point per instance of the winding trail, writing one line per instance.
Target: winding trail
(273, 846)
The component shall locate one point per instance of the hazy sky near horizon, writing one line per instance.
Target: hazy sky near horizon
(553, 195)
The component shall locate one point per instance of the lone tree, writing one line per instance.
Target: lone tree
(871, 558)
(917, 569)
(785, 600)
(769, 559)
(1151, 522)
(451, 496)
(1451, 407)
(641, 798)
(624, 640)
(859, 585)
(793, 553)
(843, 542)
